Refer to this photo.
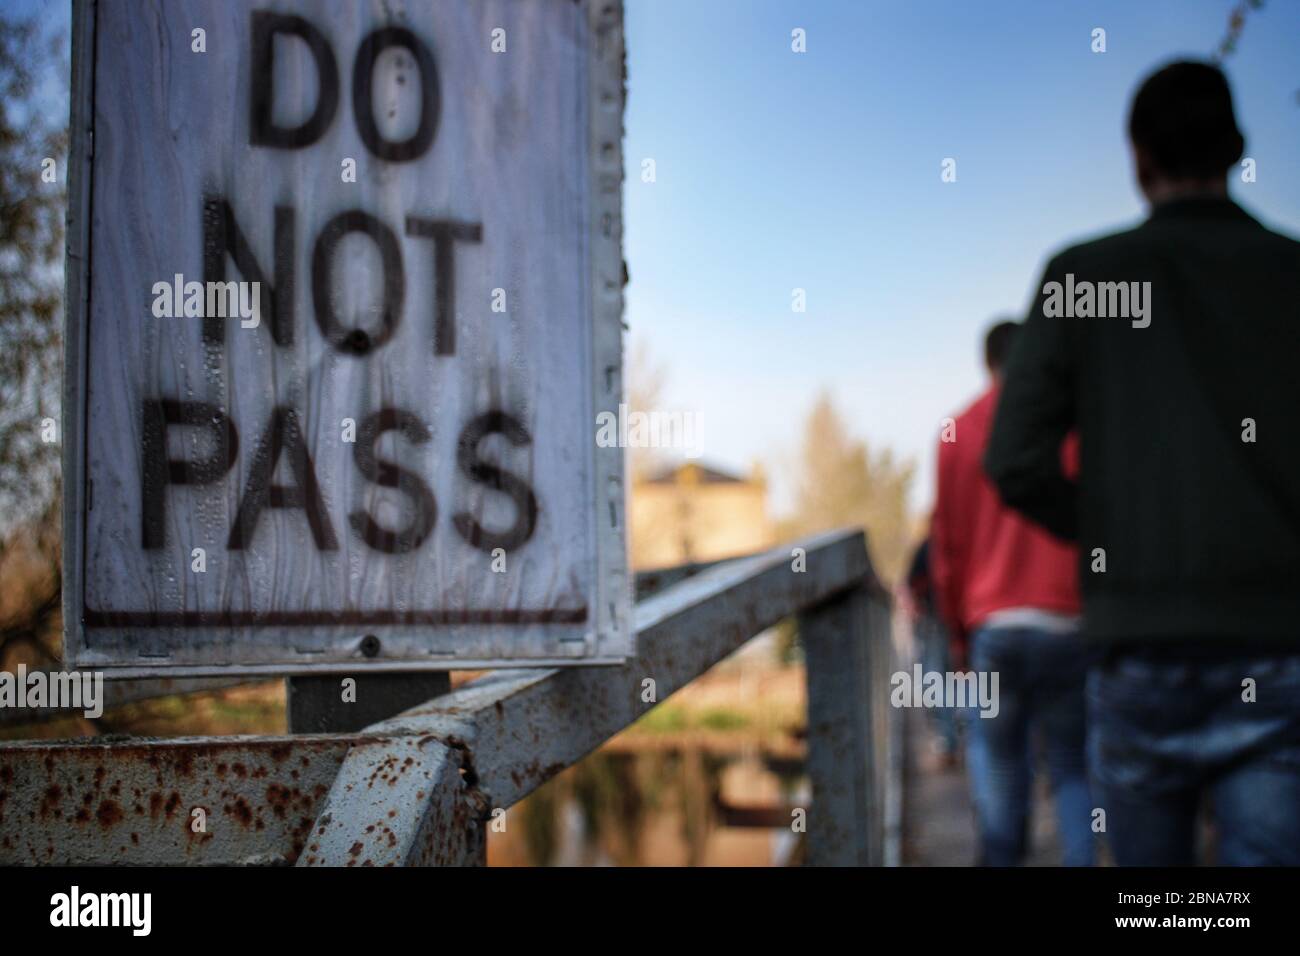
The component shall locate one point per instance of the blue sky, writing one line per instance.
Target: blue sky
(821, 171)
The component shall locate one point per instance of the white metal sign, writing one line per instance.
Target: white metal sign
(345, 293)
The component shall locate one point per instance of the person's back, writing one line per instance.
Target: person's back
(1012, 561)
(1190, 442)
(1009, 592)
(1187, 506)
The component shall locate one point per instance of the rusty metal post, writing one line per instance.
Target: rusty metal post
(845, 807)
(406, 801)
(890, 729)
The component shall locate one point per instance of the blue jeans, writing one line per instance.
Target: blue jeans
(1165, 731)
(1041, 678)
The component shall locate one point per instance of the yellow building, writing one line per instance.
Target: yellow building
(690, 512)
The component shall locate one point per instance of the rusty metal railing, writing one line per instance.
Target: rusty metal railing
(421, 788)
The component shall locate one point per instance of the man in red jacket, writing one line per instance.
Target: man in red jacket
(1009, 593)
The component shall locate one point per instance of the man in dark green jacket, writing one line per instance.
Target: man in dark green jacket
(1174, 349)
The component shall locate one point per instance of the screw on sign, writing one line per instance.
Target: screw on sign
(214, 188)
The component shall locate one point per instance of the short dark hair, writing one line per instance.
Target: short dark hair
(997, 344)
(1182, 118)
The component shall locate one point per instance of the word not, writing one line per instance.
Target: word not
(1102, 300)
(933, 689)
(222, 300)
(224, 237)
(103, 909)
(629, 429)
(74, 690)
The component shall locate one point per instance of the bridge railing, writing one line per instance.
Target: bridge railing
(422, 788)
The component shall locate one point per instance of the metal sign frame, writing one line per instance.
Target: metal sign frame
(607, 634)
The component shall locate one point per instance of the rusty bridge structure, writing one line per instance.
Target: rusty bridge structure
(421, 787)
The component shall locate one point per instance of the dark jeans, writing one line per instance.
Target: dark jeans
(1041, 680)
(1164, 731)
